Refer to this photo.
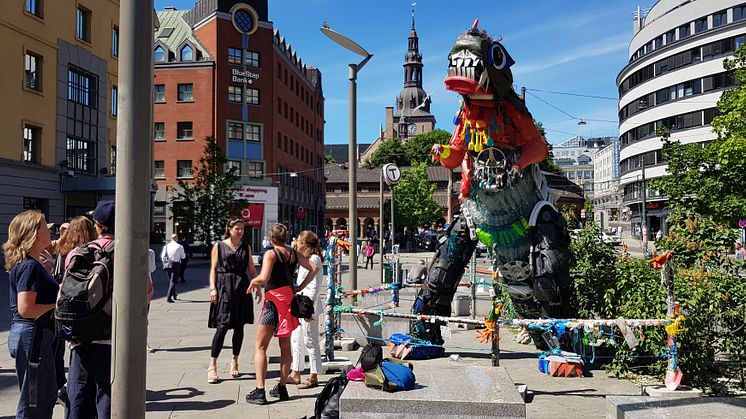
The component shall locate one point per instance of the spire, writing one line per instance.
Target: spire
(413, 12)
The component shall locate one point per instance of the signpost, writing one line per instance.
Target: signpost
(392, 176)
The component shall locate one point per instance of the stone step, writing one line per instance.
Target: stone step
(440, 393)
(644, 407)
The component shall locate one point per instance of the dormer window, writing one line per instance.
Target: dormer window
(159, 54)
(186, 53)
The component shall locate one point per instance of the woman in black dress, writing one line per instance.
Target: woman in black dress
(230, 301)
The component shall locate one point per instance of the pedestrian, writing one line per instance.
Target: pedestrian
(275, 318)
(306, 337)
(151, 289)
(370, 250)
(266, 245)
(740, 251)
(658, 235)
(231, 270)
(184, 262)
(89, 376)
(33, 293)
(171, 256)
(78, 231)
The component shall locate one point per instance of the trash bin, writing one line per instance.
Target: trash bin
(388, 274)
(461, 305)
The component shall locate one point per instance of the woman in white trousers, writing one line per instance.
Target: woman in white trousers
(305, 339)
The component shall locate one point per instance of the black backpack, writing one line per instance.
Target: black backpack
(83, 309)
(370, 357)
(327, 403)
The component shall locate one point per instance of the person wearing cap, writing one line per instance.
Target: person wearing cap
(89, 375)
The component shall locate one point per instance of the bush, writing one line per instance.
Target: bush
(712, 344)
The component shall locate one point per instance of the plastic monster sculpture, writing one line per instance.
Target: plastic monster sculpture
(505, 202)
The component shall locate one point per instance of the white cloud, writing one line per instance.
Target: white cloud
(596, 49)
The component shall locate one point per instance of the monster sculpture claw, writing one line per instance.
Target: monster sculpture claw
(497, 145)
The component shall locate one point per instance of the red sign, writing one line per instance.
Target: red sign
(253, 215)
(653, 205)
(301, 213)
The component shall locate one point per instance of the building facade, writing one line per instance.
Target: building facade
(575, 157)
(59, 107)
(222, 70)
(674, 79)
(606, 197)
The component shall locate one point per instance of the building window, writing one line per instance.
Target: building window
(186, 53)
(739, 12)
(700, 25)
(115, 41)
(159, 54)
(253, 132)
(80, 155)
(38, 204)
(31, 136)
(234, 165)
(670, 37)
(184, 130)
(184, 168)
(234, 56)
(114, 100)
(81, 87)
(33, 66)
(719, 18)
(185, 93)
(251, 58)
(255, 169)
(159, 93)
(235, 131)
(587, 174)
(113, 160)
(83, 27)
(159, 131)
(252, 96)
(159, 169)
(235, 93)
(684, 31)
(35, 7)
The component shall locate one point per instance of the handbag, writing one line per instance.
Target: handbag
(302, 305)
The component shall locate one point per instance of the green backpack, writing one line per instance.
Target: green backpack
(391, 375)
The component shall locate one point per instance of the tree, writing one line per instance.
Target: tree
(404, 153)
(208, 201)
(390, 151)
(548, 164)
(329, 159)
(413, 199)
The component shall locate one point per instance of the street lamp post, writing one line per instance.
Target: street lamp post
(350, 45)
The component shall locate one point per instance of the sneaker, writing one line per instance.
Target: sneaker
(280, 391)
(62, 396)
(256, 396)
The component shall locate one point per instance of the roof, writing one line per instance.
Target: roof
(339, 152)
(342, 202)
(173, 25)
(337, 173)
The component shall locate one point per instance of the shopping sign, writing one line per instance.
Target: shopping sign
(301, 213)
(253, 215)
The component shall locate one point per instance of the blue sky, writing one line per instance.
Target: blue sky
(576, 46)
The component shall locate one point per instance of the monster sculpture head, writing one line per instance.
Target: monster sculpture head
(479, 66)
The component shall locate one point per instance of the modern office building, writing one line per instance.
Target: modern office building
(59, 107)
(674, 78)
(223, 70)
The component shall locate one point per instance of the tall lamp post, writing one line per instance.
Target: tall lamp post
(350, 45)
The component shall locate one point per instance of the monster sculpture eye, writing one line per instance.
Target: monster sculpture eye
(499, 58)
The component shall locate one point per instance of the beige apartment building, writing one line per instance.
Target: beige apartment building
(58, 113)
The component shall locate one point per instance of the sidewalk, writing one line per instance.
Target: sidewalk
(177, 377)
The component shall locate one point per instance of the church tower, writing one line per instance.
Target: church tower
(412, 115)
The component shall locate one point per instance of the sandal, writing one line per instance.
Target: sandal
(234, 369)
(290, 380)
(212, 376)
(308, 384)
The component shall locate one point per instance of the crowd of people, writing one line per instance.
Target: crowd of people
(39, 269)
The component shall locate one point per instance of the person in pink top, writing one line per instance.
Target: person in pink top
(276, 278)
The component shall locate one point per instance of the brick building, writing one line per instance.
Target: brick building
(222, 70)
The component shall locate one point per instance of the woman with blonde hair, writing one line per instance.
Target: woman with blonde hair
(276, 319)
(33, 293)
(79, 230)
(306, 337)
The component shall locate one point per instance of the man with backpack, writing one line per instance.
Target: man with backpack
(89, 376)
(172, 256)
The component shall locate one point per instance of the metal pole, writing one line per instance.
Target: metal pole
(352, 185)
(134, 158)
(450, 204)
(644, 220)
(380, 229)
(473, 278)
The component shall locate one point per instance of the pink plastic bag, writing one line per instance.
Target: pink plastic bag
(356, 374)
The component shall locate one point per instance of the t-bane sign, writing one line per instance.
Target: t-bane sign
(243, 76)
(391, 174)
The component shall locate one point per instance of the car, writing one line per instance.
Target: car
(611, 238)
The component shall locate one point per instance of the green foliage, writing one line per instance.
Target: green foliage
(697, 241)
(329, 159)
(413, 199)
(548, 164)
(206, 202)
(415, 149)
(712, 344)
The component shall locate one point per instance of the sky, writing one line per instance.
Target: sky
(574, 47)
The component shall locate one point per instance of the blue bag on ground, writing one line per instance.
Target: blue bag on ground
(418, 349)
(398, 376)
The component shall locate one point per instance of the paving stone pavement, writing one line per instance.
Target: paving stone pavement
(177, 377)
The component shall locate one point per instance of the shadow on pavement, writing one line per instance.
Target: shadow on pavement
(166, 400)
(183, 349)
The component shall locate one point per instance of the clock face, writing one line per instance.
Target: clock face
(412, 129)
